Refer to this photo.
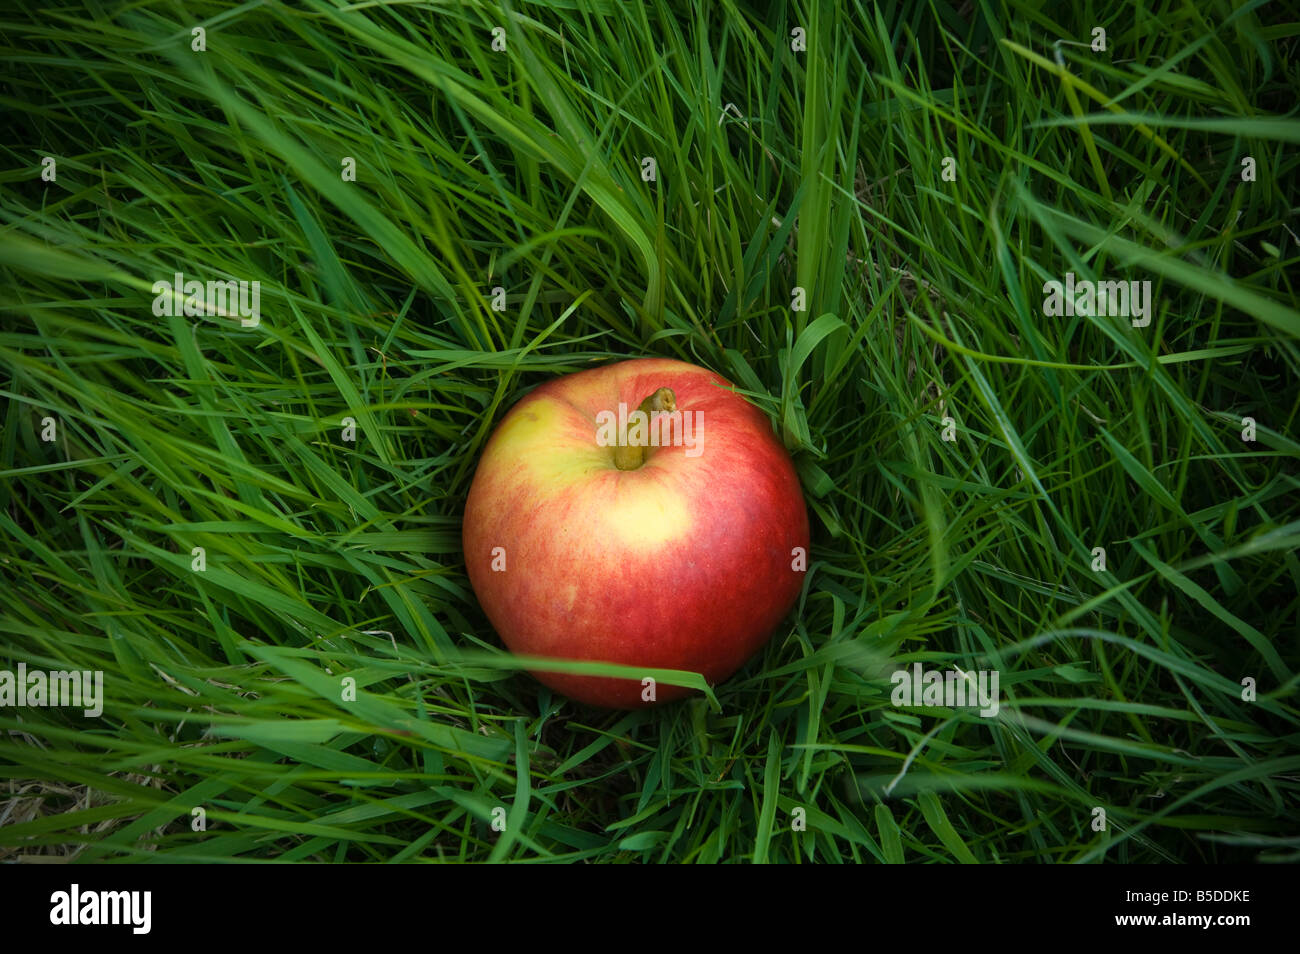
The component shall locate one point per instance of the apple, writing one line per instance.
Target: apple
(641, 513)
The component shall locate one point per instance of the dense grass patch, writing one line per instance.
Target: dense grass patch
(822, 169)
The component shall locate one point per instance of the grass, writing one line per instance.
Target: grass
(522, 168)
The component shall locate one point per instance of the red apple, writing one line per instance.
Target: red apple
(687, 559)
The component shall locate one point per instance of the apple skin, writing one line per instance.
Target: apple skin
(686, 562)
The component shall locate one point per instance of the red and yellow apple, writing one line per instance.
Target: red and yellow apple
(676, 539)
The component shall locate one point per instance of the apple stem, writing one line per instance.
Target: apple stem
(631, 456)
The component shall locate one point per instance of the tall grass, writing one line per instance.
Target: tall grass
(523, 168)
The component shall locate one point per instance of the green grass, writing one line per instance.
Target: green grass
(822, 168)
